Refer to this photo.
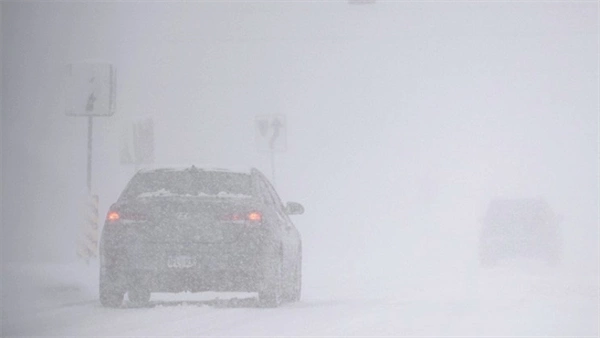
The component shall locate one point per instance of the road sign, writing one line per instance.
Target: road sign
(137, 142)
(90, 89)
(271, 133)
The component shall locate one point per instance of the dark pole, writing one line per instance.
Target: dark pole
(273, 166)
(89, 155)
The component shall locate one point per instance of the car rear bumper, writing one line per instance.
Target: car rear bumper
(189, 267)
(510, 248)
(188, 280)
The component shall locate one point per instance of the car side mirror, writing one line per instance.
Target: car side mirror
(293, 208)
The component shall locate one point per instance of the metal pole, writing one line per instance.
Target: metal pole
(273, 166)
(89, 155)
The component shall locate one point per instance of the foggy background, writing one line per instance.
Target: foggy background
(403, 119)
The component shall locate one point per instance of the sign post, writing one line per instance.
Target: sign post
(271, 136)
(89, 91)
(89, 154)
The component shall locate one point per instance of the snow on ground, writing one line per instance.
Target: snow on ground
(514, 299)
(41, 288)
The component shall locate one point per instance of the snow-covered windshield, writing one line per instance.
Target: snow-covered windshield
(189, 183)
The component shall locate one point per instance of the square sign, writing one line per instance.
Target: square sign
(90, 89)
(271, 132)
(137, 142)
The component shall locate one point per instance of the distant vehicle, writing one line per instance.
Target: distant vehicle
(519, 228)
(191, 229)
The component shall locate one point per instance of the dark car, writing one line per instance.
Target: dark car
(191, 229)
(519, 228)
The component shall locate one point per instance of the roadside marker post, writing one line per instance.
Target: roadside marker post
(87, 241)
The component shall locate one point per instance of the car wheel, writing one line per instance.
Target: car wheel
(297, 290)
(293, 283)
(111, 293)
(270, 294)
(139, 296)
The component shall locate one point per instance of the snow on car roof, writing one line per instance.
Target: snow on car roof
(240, 170)
(533, 202)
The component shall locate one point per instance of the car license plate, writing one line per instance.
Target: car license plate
(181, 262)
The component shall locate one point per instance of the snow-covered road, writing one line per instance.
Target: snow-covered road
(518, 299)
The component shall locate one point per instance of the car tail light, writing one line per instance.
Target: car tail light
(114, 215)
(252, 217)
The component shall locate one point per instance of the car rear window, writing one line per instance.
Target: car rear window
(525, 215)
(189, 183)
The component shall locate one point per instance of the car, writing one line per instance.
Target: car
(195, 230)
(519, 228)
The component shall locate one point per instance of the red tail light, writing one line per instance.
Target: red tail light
(113, 216)
(253, 217)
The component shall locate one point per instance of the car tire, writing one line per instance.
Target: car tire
(139, 296)
(293, 285)
(271, 293)
(110, 292)
(297, 286)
